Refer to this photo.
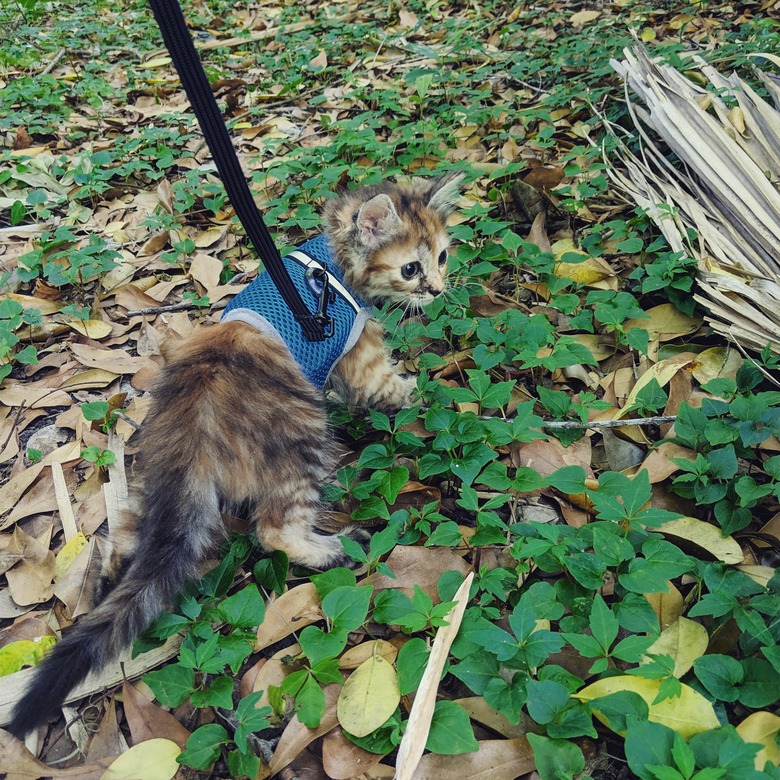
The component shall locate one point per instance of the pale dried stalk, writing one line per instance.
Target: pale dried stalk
(416, 735)
(724, 188)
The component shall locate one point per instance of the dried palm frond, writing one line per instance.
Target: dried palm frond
(722, 185)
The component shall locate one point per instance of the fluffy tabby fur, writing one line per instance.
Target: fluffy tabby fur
(235, 425)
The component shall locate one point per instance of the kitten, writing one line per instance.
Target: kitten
(236, 424)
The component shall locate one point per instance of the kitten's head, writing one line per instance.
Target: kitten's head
(391, 241)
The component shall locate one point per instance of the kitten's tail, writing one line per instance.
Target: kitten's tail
(170, 549)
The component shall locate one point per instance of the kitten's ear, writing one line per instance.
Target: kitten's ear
(377, 220)
(443, 193)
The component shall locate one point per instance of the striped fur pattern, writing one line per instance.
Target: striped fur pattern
(235, 426)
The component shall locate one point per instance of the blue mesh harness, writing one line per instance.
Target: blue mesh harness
(261, 305)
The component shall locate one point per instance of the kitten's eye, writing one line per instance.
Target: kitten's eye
(443, 257)
(410, 270)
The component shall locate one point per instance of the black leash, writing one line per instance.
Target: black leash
(179, 43)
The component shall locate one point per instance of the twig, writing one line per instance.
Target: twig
(558, 424)
(53, 64)
(132, 423)
(182, 306)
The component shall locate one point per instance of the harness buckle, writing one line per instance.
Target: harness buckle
(319, 282)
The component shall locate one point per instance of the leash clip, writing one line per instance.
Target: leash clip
(319, 282)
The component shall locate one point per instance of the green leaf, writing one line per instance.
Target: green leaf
(347, 607)
(761, 684)
(95, 410)
(172, 684)
(317, 645)
(271, 572)
(340, 577)
(245, 609)
(203, 746)
(507, 697)
(720, 675)
(392, 481)
(475, 670)
(411, 661)
(451, 731)
(545, 700)
(621, 708)
(683, 756)
(243, 765)
(603, 624)
(556, 759)
(648, 744)
(445, 534)
(310, 703)
(251, 718)
(218, 694)
(569, 480)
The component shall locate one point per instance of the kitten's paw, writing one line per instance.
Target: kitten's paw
(396, 394)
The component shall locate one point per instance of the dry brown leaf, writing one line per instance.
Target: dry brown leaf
(480, 711)
(296, 736)
(73, 588)
(206, 270)
(31, 580)
(108, 741)
(658, 463)
(147, 720)
(344, 760)
(33, 397)
(273, 671)
(407, 19)
(320, 61)
(496, 759)
(17, 761)
(548, 456)
(115, 360)
(665, 322)
(420, 566)
(292, 611)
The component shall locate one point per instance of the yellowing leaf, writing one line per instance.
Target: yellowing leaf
(358, 654)
(706, 537)
(88, 380)
(685, 641)
(26, 652)
(688, 714)
(590, 270)
(154, 759)
(662, 372)
(68, 554)
(759, 574)
(716, 362)
(157, 62)
(583, 17)
(668, 606)
(209, 237)
(369, 697)
(665, 322)
(93, 329)
(762, 727)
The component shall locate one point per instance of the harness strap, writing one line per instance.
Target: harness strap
(179, 43)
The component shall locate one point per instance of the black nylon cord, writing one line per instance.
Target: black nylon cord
(185, 58)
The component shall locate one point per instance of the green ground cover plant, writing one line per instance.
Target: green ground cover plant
(623, 616)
